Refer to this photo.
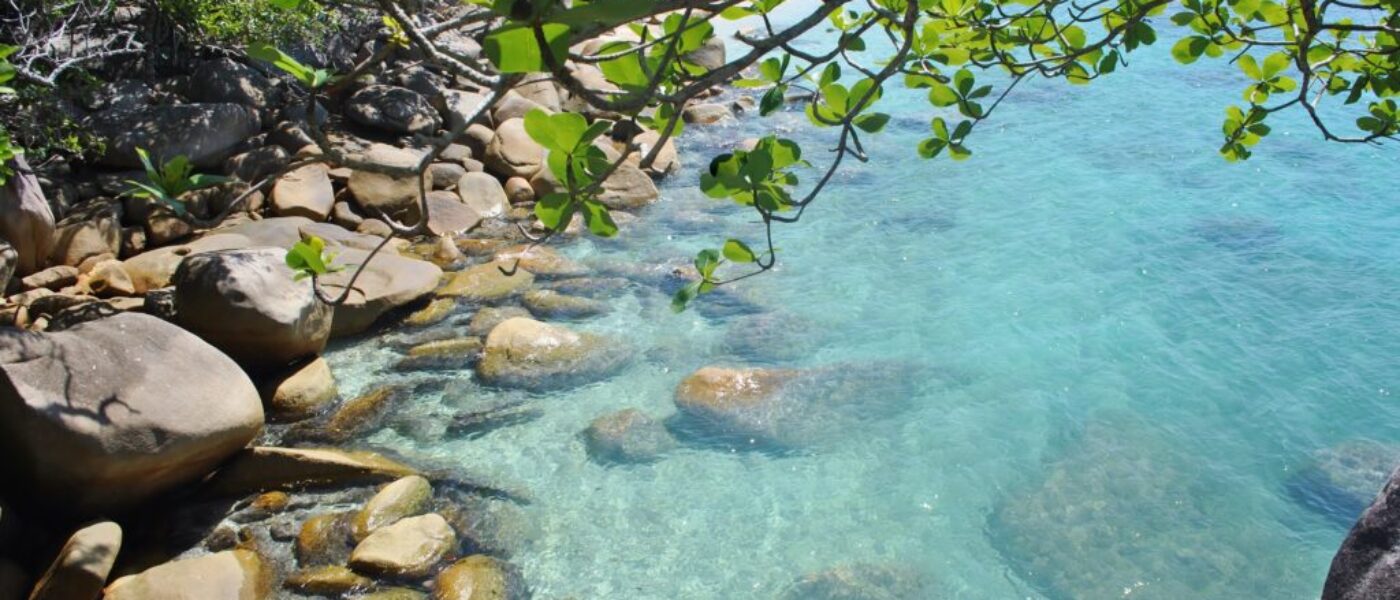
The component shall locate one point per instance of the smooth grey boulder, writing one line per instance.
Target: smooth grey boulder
(393, 109)
(205, 133)
(109, 413)
(1367, 567)
(26, 219)
(247, 303)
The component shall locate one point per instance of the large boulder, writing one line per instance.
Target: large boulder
(1340, 481)
(110, 412)
(261, 469)
(227, 80)
(525, 353)
(305, 192)
(90, 230)
(387, 282)
(1367, 567)
(512, 152)
(248, 304)
(393, 109)
(204, 133)
(230, 575)
(156, 269)
(26, 220)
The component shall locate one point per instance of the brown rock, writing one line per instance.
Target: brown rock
(407, 497)
(408, 548)
(305, 192)
(512, 152)
(331, 580)
(82, 566)
(261, 469)
(231, 575)
(486, 282)
(302, 393)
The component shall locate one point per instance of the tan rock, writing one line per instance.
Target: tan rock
(476, 577)
(82, 566)
(529, 354)
(53, 278)
(108, 279)
(484, 194)
(231, 575)
(332, 580)
(456, 353)
(552, 304)
(262, 469)
(518, 190)
(489, 317)
(396, 196)
(408, 548)
(300, 394)
(542, 261)
(407, 497)
(305, 192)
(324, 539)
(486, 282)
(512, 152)
(435, 312)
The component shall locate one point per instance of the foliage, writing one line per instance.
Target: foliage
(239, 22)
(1291, 54)
(307, 76)
(309, 258)
(170, 180)
(8, 150)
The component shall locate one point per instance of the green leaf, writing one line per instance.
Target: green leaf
(1274, 64)
(872, 122)
(285, 4)
(1250, 68)
(963, 80)
(772, 100)
(706, 262)
(684, 296)
(942, 95)
(554, 210)
(739, 252)
(277, 58)
(771, 70)
(513, 48)
(1188, 49)
(598, 220)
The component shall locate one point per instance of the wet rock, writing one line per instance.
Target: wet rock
(409, 548)
(483, 194)
(597, 288)
(541, 261)
(394, 593)
(551, 304)
(204, 133)
(487, 282)
(772, 338)
(113, 411)
(354, 416)
(396, 196)
(305, 192)
(479, 577)
(82, 565)
(1364, 567)
(1114, 515)
(247, 303)
(859, 581)
(435, 312)
(1341, 481)
(483, 418)
(231, 575)
(627, 436)
(26, 219)
(706, 113)
(407, 497)
(393, 109)
(261, 469)
(489, 526)
(302, 393)
(325, 540)
(489, 317)
(332, 580)
(456, 353)
(528, 354)
(512, 153)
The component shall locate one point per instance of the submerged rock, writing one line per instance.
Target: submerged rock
(859, 581)
(333, 580)
(770, 338)
(1339, 482)
(479, 577)
(528, 354)
(552, 304)
(262, 469)
(456, 353)
(627, 436)
(406, 497)
(353, 417)
(487, 282)
(1115, 514)
(325, 539)
(489, 317)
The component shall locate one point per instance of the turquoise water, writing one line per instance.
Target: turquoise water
(1117, 350)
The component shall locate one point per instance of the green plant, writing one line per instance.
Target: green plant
(8, 150)
(307, 76)
(309, 258)
(169, 181)
(575, 162)
(238, 22)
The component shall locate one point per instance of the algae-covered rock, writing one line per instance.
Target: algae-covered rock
(528, 354)
(479, 577)
(330, 580)
(406, 497)
(487, 282)
(456, 353)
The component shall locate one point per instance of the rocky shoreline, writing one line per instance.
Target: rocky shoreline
(166, 408)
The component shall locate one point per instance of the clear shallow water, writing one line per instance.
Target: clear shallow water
(1125, 349)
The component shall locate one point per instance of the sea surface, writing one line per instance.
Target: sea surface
(1104, 360)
